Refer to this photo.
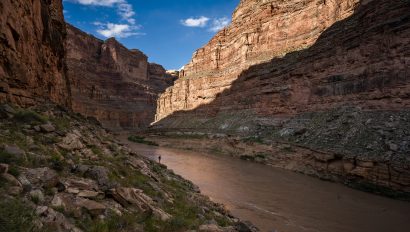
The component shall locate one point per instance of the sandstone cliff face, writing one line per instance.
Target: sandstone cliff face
(346, 95)
(115, 85)
(260, 31)
(32, 52)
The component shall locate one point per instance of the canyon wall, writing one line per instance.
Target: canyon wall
(260, 31)
(115, 85)
(32, 53)
(342, 92)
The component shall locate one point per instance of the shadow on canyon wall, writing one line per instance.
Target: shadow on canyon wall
(360, 61)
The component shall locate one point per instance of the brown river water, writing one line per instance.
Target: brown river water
(282, 201)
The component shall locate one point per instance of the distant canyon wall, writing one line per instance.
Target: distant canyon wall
(115, 85)
(44, 59)
(362, 60)
(32, 65)
(260, 31)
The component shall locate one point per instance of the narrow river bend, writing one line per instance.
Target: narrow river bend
(282, 201)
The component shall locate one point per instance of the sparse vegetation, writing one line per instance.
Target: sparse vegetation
(8, 158)
(29, 117)
(139, 139)
(16, 216)
(253, 139)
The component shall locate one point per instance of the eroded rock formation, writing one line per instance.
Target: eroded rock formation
(32, 52)
(115, 85)
(342, 88)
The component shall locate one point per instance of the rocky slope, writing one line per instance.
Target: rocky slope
(344, 97)
(61, 172)
(27, 29)
(115, 85)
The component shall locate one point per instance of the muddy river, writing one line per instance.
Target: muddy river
(283, 201)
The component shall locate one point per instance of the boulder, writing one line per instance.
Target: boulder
(100, 174)
(25, 182)
(88, 194)
(55, 219)
(135, 198)
(141, 166)
(93, 207)
(47, 128)
(37, 194)
(71, 142)
(80, 184)
(4, 168)
(43, 176)
(11, 179)
(57, 201)
(17, 153)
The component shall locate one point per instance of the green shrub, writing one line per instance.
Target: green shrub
(247, 157)
(113, 223)
(15, 216)
(13, 170)
(253, 139)
(10, 159)
(31, 117)
(139, 139)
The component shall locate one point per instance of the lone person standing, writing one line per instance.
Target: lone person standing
(159, 159)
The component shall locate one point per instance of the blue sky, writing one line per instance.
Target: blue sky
(168, 31)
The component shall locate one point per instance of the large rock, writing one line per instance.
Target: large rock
(47, 128)
(93, 207)
(42, 176)
(71, 142)
(131, 197)
(4, 168)
(11, 179)
(97, 173)
(54, 219)
(16, 152)
(32, 52)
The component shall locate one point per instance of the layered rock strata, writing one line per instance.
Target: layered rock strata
(260, 31)
(359, 63)
(115, 85)
(32, 52)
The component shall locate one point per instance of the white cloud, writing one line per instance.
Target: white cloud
(220, 23)
(126, 12)
(124, 9)
(97, 2)
(195, 22)
(117, 30)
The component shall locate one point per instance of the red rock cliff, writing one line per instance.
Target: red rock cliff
(115, 85)
(260, 31)
(32, 52)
